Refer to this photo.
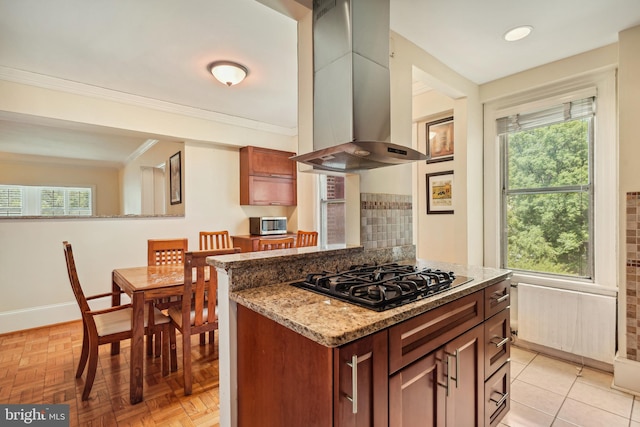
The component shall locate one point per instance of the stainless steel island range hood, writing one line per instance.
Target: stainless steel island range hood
(351, 100)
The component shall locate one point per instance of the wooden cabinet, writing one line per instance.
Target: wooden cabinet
(445, 367)
(267, 177)
(361, 375)
(441, 381)
(497, 348)
(249, 242)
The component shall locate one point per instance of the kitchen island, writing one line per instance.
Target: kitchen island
(281, 345)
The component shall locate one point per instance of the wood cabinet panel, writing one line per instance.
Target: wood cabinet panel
(267, 177)
(284, 379)
(496, 395)
(497, 298)
(267, 191)
(416, 394)
(249, 242)
(361, 397)
(267, 162)
(497, 335)
(417, 337)
(465, 365)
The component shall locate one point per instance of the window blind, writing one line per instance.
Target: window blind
(573, 110)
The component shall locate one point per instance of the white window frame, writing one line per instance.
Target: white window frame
(605, 155)
(32, 200)
(324, 202)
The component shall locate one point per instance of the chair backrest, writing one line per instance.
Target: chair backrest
(214, 240)
(199, 293)
(306, 238)
(166, 251)
(269, 244)
(73, 279)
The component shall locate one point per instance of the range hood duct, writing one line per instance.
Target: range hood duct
(351, 88)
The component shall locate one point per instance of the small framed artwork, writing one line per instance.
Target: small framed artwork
(440, 192)
(440, 140)
(175, 179)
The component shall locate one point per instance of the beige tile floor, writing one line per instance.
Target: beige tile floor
(550, 392)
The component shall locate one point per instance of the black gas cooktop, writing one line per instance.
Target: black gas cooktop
(381, 287)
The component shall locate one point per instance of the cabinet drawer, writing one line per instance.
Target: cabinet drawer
(417, 337)
(497, 298)
(497, 346)
(496, 396)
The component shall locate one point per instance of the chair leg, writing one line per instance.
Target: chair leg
(150, 333)
(91, 369)
(186, 362)
(166, 356)
(211, 337)
(158, 343)
(85, 351)
(203, 338)
(173, 347)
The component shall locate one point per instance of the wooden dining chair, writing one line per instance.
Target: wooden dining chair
(306, 238)
(108, 326)
(273, 243)
(163, 252)
(214, 240)
(166, 251)
(197, 313)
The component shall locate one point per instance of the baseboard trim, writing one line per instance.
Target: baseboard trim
(45, 315)
(559, 354)
(626, 375)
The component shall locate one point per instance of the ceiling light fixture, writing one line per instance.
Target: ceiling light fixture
(227, 72)
(518, 33)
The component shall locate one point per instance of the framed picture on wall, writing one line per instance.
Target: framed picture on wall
(440, 193)
(440, 140)
(175, 179)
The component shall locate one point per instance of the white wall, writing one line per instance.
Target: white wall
(454, 238)
(34, 281)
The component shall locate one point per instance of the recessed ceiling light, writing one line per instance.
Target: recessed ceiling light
(518, 33)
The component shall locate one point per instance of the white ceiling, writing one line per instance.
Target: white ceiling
(160, 49)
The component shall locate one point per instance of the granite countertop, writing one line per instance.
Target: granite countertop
(332, 322)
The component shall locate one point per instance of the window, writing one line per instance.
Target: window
(22, 200)
(332, 210)
(547, 189)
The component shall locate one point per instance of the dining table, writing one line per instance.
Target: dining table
(143, 284)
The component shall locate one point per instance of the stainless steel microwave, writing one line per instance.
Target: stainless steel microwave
(264, 225)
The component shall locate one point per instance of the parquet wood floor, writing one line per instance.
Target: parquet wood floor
(38, 366)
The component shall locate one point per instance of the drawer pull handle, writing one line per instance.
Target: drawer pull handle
(500, 401)
(449, 377)
(500, 299)
(499, 341)
(354, 383)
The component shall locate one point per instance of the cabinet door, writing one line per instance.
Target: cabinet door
(464, 357)
(361, 378)
(274, 163)
(268, 191)
(416, 393)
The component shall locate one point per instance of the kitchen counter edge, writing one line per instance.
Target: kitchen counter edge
(333, 323)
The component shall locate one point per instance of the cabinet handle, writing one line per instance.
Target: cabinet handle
(500, 401)
(498, 298)
(498, 341)
(449, 377)
(275, 175)
(275, 203)
(354, 383)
